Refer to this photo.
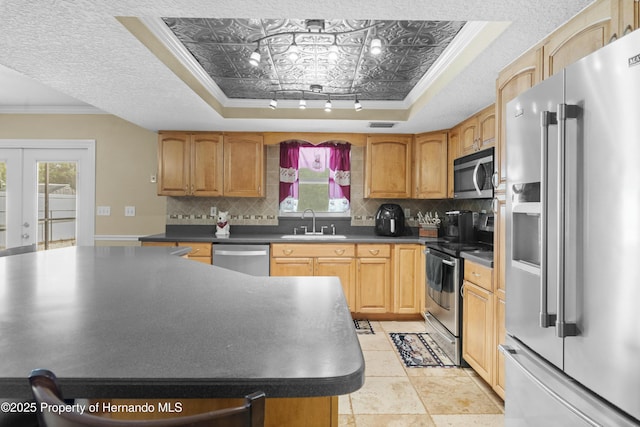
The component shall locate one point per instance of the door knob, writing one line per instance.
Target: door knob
(26, 225)
(25, 236)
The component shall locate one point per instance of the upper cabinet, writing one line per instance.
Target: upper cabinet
(478, 132)
(209, 164)
(190, 164)
(585, 33)
(388, 167)
(452, 154)
(430, 165)
(244, 165)
(516, 78)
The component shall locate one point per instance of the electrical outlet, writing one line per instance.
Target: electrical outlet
(103, 210)
(213, 211)
(129, 211)
(153, 179)
(407, 213)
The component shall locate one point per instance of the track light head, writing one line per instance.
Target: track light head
(273, 104)
(327, 105)
(357, 105)
(254, 59)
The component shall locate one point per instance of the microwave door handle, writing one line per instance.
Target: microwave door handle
(475, 178)
(547, 118)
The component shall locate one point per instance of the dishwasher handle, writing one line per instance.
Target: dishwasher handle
(240, 253)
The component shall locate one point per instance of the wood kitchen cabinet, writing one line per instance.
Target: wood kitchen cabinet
(200, 251)
(317, 260)
(210, 164)
(244, 165)
(190, 164)
(587, 32)
(452, 154)
(408, 278)
(373, 281)
(478, 319)
(430, 165)
(500, 289)
(516, 78)
(388, 156)
(478, 132)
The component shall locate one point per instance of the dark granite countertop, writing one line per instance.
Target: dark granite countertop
(481, 257)
(138, 322)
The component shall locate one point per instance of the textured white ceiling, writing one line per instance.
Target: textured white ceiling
(78, 49)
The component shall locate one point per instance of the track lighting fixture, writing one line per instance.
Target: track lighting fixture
(314, 26)
(315, 92)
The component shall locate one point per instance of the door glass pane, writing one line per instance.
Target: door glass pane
(3, 205)
(56, 204)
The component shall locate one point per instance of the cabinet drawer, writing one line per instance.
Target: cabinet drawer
(374, 251)
(312, 250)
(478, 274)
(198, 249)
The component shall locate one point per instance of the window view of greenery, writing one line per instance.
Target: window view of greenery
(313, 190)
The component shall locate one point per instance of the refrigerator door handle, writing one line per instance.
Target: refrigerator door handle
(563, 328)
(547, 118)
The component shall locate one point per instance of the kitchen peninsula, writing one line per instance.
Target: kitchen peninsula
(143, 323)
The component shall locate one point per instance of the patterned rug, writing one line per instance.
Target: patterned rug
(420, 351)
(363, 326)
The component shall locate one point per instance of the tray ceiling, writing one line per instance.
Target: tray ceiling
(223, 46)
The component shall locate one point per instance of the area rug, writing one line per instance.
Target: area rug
(363, 326)
(420, 351)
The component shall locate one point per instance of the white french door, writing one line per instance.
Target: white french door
(47, 193)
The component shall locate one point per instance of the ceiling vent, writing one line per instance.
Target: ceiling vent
(381, 125)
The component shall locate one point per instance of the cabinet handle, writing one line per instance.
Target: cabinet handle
(462, 290)
(339, 251)
(374, 251)
(287, 251)
(475, 274)
(494, 205)
(193, 252)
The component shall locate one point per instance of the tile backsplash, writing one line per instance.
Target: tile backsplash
(264, 211)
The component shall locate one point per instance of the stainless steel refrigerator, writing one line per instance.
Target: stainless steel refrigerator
(572, 352)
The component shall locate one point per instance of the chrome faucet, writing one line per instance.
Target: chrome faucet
(313, 222)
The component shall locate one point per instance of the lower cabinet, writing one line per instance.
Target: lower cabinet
(200, 251)
(317, 260)
(376, 278)
(373, 283)
(478, 331)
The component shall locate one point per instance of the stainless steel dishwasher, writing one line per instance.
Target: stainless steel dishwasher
(248, 259)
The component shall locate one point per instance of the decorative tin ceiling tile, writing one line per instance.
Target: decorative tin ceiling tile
(223, 46)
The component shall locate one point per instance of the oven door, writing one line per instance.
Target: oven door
(442, 289)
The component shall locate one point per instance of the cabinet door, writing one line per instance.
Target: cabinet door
(487, 127)
(512, 81)
(174, 163)
(244, 166)
(452, 154)
(291, 267)
(206, 164)
(388, 167)
(499, 285)
(373, 285)
(430, 165)
(477, 329)
(468, 136)
(585, 33)
(408, 279)
(345, 269)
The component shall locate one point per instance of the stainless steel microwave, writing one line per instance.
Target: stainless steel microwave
(472, 175)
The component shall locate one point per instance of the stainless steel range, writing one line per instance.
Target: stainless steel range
(444, 274)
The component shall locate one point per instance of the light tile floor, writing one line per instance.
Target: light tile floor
(394, 395)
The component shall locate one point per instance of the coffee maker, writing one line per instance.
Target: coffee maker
(390, 220)
(459, 226)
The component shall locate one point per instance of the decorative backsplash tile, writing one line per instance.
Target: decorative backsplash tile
(264, 211)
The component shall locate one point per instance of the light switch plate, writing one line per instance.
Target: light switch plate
(103, 210)
(129, 211)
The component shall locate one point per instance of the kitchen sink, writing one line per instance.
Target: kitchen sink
(314, 236)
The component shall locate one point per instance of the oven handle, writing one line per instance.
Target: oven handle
(444, 335)
(451, 263)
(444, 261)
